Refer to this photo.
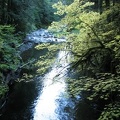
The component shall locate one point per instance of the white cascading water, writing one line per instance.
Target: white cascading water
(53, 90)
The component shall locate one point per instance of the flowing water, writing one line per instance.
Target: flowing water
(48, 103)
(45, 98)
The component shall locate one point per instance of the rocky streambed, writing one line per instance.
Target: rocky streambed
(38, 37)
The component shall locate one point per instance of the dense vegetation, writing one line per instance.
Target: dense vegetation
(9, 57)
(17, 18)
(26, 15)
(93, 33)
(92, 30)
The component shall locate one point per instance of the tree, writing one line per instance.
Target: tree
(94, 40)
(9, 57)
(26, 15)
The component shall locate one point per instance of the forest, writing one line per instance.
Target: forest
(92, 32)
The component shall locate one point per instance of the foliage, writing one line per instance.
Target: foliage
(111, 112)
(105, 87)
(27, 15)
(48, 58)
(94, 40)
(3, 90)
(9, 56)
(74, 27)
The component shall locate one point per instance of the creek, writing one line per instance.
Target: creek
(45, 97)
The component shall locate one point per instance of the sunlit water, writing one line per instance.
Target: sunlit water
(47, 104)
(45, 98)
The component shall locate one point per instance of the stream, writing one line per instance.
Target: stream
(51, 102)
(45, 97)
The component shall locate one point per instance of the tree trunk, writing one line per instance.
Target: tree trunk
(3, 12)
(107, 2)
(8, 11)
(100, 6)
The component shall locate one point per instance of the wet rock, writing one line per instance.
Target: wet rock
(26, 46)
(37, 37)
(42, 35)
